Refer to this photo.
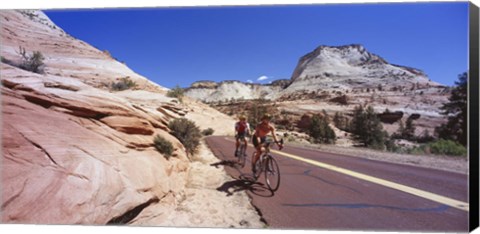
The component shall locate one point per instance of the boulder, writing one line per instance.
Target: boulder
(390, 117)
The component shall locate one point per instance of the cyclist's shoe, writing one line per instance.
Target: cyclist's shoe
(236, 153)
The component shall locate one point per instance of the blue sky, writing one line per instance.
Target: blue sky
(177, 46)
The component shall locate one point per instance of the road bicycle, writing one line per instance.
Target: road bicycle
(242, 154)
(268, 165)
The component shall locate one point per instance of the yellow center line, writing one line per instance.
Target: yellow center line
(417, 192)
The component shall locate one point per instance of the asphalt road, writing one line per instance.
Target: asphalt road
(325, 191)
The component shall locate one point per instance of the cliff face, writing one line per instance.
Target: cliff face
(73, 151)
(210, 91)
(336, 79)
(350, 67)
(327, 68)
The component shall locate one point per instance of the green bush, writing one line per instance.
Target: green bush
(163, 146)
(186, 132)
(124, 84)
(419, 150)
(367, 128)
(207, 132)
(320, 131)
(447, 147)
(176, 92)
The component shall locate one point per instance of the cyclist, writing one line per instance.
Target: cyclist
(259, 137)
(242, 130)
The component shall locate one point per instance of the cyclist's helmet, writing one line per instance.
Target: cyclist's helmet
(266, 116)
(242, 117)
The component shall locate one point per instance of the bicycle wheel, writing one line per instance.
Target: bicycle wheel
(242, 155)
(272, 173)
(259, 168)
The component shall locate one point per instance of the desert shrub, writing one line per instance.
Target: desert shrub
(31, 62)
(447, 147)
(418, 150)
(186, 132)
(124, 84)
(391, 146)
(176, 92)
(163, 146)
(207, 132)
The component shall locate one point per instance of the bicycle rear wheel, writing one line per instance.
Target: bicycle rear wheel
(272, 174)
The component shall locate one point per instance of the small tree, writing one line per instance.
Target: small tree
(367, 128)
(409, 131)
(340, 121)
(400, 131)
(456, 110)
(320, 131)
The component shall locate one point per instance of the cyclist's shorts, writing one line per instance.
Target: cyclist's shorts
(256, 143)
(241, 135)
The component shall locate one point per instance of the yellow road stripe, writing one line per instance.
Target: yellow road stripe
(417, 192)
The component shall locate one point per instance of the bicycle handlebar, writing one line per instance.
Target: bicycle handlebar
(280, 143)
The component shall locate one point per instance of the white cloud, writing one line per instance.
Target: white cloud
(262, 78)
(249, 81)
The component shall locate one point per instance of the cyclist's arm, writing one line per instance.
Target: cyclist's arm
(236, 129)
(255, 134)
(272, 129)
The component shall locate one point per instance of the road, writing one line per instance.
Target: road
(326, 191)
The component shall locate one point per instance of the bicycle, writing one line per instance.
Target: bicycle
(268, 165)
(242, 154)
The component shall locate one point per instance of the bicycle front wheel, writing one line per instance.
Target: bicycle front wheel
(272, 174)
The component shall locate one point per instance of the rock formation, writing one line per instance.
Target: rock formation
(210, 91)
(336, 79)
(73, 150)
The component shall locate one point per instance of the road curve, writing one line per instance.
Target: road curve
(333, 197)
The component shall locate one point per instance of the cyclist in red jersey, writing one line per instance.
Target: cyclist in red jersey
(242, 130)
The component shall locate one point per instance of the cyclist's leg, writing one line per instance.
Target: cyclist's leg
(256, 157)
(246, 143)
(257, 152)
(237, 143)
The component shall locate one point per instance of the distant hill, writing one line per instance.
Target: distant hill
(327, 68)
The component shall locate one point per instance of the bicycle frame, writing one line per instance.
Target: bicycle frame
(267, 164)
